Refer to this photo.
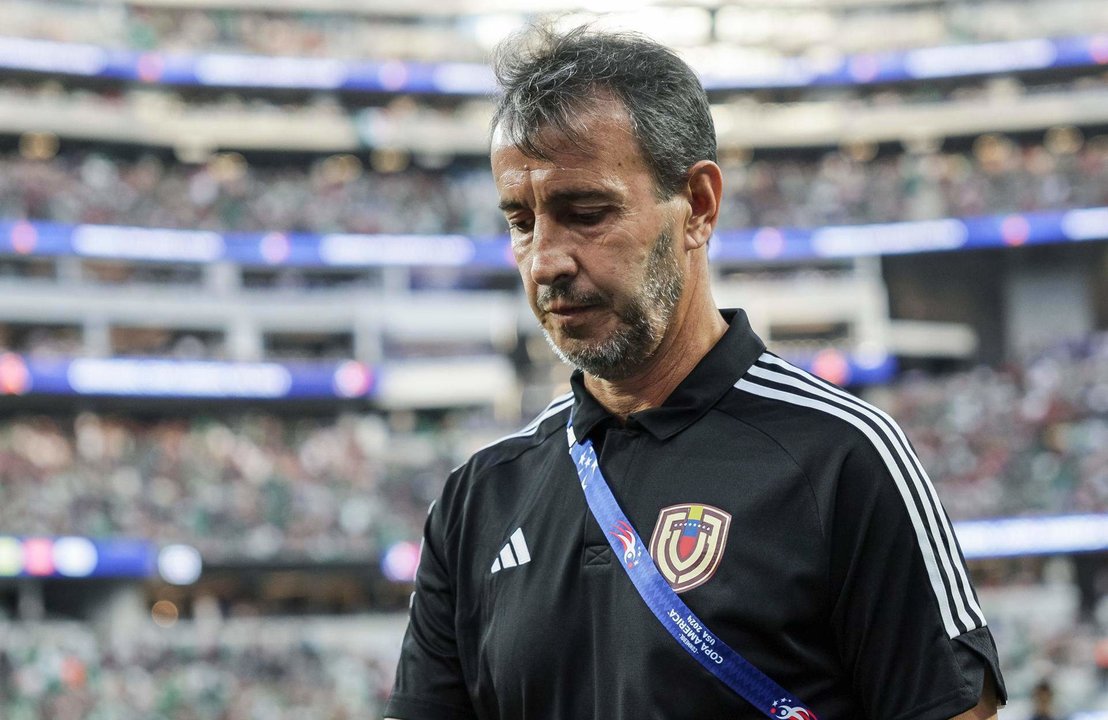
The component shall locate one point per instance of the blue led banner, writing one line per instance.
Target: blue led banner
(755, 245)
(118, 242)
(255, 71)
(212, 380)
(844, 241)
(923, 64)
(76, 557)
(244, 71)
(1015, 537)
(123, 557)
(159, 378)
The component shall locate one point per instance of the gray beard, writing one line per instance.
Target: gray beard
(644, 321)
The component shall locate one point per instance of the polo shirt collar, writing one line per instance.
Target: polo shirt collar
(713, 376)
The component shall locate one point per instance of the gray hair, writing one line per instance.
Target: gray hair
(548, 77)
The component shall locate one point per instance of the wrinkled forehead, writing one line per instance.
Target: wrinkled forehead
(526, 180)
(583, 130)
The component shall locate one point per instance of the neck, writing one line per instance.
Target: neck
(691, 335)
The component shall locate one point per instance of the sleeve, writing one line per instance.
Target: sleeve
(906, 619)
(429, 682)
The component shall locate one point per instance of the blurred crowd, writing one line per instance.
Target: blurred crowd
(41, 341)
(67, 341)
(228, 194)
(306, 33)
(850, 186)
(252, 487)
(468, 37)
(1031, 439)
(1023, 440)
(1049, 645)
(338, 194)
(65, 671)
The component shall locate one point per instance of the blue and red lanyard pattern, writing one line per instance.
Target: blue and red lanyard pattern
(714, 654)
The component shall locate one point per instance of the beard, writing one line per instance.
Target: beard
(642, 323)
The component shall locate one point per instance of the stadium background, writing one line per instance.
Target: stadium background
(256, 300)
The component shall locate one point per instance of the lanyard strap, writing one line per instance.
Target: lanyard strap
(713, 653)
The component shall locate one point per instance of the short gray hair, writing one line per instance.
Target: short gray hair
(547, 78)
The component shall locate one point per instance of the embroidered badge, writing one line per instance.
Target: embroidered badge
(688, 544)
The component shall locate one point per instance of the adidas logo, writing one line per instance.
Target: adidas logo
(513, 553)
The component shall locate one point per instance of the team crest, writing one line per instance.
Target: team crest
(688, 543)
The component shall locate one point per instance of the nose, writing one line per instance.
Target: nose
(552, 258)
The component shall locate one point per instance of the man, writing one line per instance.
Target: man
(1042, 698)
(792, 519)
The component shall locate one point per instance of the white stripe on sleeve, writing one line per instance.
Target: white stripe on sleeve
(919, 477)
(885, 446)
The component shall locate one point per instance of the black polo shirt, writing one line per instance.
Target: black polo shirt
(838, 574)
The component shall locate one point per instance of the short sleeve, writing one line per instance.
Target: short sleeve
(907, 622)
(429, 682)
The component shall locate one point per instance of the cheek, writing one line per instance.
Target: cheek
(516, 254)
(617, 275)
(522, 261)
(530, 289)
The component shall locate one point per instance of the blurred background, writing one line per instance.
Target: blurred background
(256, 300)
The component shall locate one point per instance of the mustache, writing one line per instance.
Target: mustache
(569, 294)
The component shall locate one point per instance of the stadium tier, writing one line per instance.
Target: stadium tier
(762, 42)
(338, 194)
(419, 29)
(1026, 441)
(255, 487)
(300, 670)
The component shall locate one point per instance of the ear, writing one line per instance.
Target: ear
(704, 192)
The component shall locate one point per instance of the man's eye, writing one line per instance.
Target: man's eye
(520, 224)
(589, 217)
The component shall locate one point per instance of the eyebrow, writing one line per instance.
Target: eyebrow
(562, 197)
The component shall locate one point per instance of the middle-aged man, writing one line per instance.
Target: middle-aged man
(698, 530)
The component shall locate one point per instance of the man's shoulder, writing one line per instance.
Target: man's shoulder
(514, 446)
(798, 408)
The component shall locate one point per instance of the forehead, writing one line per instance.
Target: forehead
(605, 150)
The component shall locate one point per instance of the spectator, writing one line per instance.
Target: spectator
(1042, 698)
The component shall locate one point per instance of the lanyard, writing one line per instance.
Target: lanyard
(713, 653)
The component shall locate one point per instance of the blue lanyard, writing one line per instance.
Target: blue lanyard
(713, 653)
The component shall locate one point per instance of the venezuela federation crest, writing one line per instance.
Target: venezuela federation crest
(688, 543)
